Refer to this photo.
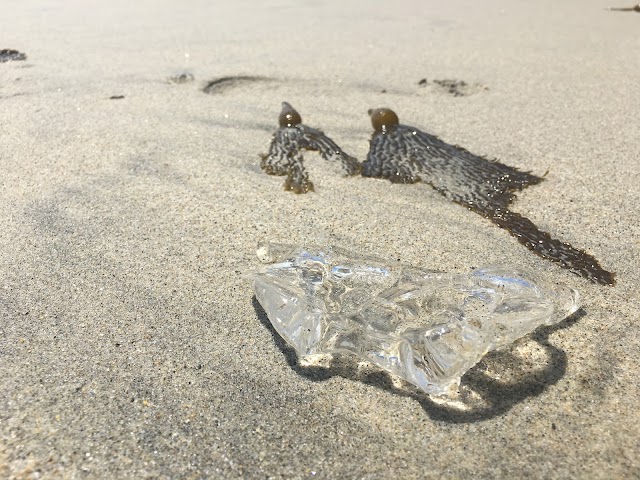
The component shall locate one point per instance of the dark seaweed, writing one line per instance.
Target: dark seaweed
(454, 87)
(405, 154)
(7, 55)
(285, 151)
(116, 97)
(222, 84)
(458, 88)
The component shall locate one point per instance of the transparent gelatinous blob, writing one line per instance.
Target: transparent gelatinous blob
(424, 326)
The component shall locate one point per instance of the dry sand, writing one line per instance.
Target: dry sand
(130, 346)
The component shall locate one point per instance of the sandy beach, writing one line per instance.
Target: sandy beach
(130, 344)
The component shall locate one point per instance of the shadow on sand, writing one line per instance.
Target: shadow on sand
(501, 380)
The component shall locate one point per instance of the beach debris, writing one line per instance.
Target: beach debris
(219, 85)
(181, 78)
(635, 8)
(404, 154)
(424, 326)
(7, 55)
(460, 88)
(285, 155)
(116, 97)
(454, 87)
(457, 88)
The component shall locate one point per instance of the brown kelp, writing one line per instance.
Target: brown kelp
(405, 154)
(285, 155)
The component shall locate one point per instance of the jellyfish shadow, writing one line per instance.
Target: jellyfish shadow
(483, 394)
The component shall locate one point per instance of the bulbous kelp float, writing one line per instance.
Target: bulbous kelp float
(404, 154)
(285, 155)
